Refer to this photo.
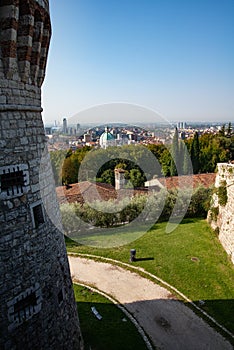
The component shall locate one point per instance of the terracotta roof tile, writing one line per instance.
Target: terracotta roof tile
(205, 180)
(83, 191)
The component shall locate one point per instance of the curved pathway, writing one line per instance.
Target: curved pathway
(169, 323)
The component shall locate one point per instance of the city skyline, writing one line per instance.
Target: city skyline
(172, 57)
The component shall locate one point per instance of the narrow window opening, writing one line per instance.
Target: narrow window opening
(60, 296)
(38, 215)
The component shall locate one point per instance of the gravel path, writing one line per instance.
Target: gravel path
(169, 323)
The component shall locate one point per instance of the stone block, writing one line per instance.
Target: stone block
(2, 99)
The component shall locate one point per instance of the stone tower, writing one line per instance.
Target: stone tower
(37, 307)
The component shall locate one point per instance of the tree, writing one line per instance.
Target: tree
(136, 178)
(165, 160)
(69, 172)
(222, 130)
(195, 154)
(200, 202)
(174, 167)
(108, 177)
(186, 168)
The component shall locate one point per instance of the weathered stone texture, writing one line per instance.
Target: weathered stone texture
(37, 306)
(223, 221)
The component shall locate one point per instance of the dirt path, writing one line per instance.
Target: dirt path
(169, 323)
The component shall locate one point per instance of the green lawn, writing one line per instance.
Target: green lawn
(208, 277)
(111, 332)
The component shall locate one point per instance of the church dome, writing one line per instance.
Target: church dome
(107, 139)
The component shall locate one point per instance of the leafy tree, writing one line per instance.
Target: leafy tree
(136, 178)
(165, 160)
(222, 130)
(200, 202)
(108, 177)
(156, 149)
(121, 165)
(69, 172)
(78, 218)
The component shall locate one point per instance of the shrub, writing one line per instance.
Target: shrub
(78, 217)
(214, 212)
(200, 202)
(222, 193)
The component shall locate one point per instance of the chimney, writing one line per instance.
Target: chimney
(119, 179)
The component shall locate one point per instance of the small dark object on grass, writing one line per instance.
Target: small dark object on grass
(133, 255)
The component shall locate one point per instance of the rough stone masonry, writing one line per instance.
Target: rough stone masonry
(221, 215)
(37, 306)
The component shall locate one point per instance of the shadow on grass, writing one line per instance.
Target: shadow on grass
(107, 237)
(165, 321)
(223, 310)
(191, 220)
(143, 259)
(113, 332)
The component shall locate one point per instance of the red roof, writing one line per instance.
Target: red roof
(88, 191)
(205, 180)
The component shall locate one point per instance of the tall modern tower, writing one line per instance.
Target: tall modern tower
(37, 306)
(65, 125)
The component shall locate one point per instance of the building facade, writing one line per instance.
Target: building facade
(37, 306)
(107, 139)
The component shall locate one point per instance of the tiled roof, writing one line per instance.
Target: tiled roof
(77, 192)
(88, 191)
(205, 180)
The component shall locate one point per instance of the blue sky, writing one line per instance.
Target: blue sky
(173, 56)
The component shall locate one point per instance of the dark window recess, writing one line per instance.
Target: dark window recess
(24, 307)
(60, 296)
(12, 181)
(38, 215)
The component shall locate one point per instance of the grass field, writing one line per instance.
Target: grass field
(113, 332)
(190, 258)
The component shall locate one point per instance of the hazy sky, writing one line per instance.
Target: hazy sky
(174, 56)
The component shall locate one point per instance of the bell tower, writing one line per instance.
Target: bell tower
(37, 306)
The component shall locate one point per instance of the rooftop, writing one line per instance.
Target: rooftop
(96, 191)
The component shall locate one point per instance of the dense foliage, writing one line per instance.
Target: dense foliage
(109, 214)
(222, 193)
(65, 165)
(199, 154)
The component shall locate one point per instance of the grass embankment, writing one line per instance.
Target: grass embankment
(113, 332)
(190, 258)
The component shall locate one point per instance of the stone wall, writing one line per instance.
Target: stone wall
(221, 215)
(37, 306)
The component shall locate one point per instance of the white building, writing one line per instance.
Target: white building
(107, 139)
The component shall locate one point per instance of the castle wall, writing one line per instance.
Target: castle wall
(37, 306)
(221, 216)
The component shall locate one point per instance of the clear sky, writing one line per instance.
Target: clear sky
(174, 56)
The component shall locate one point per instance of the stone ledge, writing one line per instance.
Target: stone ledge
(24, 108)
